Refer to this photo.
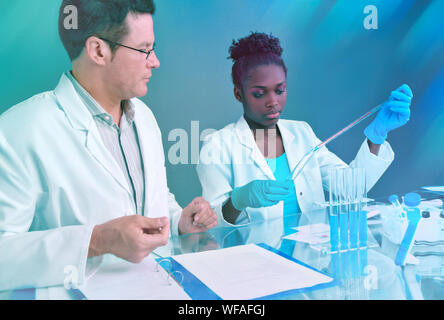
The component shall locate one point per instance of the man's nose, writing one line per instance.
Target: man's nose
(153, 62)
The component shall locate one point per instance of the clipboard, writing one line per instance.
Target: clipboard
(198, 290)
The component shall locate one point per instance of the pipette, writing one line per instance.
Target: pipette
(301, 164)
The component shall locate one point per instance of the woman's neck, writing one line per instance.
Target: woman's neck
(257, 126)
(268, 139)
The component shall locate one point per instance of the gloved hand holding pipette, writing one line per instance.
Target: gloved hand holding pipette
(393, 114)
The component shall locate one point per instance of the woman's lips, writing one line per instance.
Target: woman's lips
(273, 115)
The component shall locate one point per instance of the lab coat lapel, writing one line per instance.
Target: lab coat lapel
(290, 146)
(98, 150)
(81, 119)
(148, 158)
(246, 139)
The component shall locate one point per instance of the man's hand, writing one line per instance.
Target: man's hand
(131, 237)
(198, 216)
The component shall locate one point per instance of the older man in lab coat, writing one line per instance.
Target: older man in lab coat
(82, 166)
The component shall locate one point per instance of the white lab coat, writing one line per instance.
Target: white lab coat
(58, 180)
(230, 158)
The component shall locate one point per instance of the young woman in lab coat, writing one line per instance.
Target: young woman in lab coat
(243, 167)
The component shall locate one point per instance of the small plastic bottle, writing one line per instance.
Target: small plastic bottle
(398, 221)
(411, 203)
(394, 200)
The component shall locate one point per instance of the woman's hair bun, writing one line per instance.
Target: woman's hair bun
(255, 43)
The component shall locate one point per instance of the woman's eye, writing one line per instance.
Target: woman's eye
(257, 94)
(280, 91)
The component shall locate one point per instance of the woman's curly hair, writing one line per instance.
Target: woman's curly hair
(252, 51)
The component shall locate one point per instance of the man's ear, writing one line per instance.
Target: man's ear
(238, 94)
(97, 50)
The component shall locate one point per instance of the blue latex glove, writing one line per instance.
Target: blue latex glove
(261, 193)
(394, 113)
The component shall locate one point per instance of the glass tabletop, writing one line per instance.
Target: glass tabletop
(367, 272)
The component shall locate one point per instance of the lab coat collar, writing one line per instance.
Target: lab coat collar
(81, 119)
(71, 103)
(244, 134)
(246, 138)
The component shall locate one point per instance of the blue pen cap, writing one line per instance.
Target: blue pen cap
(412, 199)
(393, 198)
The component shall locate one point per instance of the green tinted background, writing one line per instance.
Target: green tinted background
(337, 71)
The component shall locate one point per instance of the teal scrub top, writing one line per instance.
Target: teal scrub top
(281, 170)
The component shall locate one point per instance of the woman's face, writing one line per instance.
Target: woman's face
(263, 95)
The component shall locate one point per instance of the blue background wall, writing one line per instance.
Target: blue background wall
(337, 71)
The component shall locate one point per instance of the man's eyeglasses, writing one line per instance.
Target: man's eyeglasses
(121, 45)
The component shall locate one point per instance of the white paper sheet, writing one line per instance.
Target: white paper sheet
(124, 280)
(435, 188)
(313, 228)
(319, 233)
(312, 234)
(372, 211)
(248, 272)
